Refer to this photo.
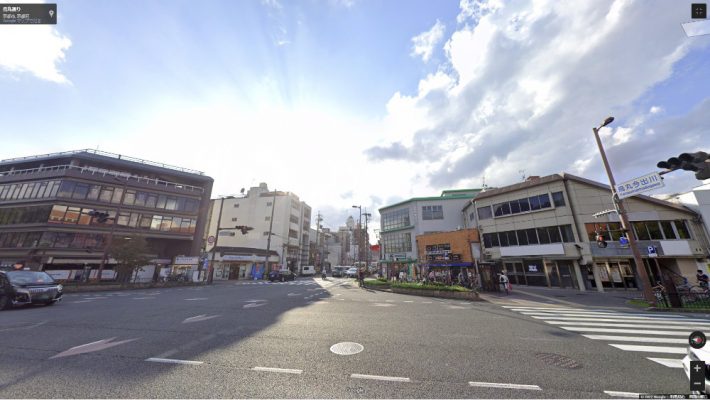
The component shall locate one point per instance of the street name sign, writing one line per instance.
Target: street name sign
(639, 185)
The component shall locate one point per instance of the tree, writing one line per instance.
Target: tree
(131, 252)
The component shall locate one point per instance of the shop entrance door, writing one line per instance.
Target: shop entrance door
(565, 270)
(554, 275)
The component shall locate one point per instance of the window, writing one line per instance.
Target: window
(490, 240)
(471, 217)
(81, 190)
(293, 219)
(266, 233)
(543, 236)
(682, 229)
(512, 238)
(532, 236)
(269, 203)
(236, 205)
(151, 201)
(129, 198)
(23, 190)
(123, 219)
(498, 210)
(165, 224)
(171, 203)
(72, 215)
(66, 189)
(534, 203)
(57, 214)
(106, 194)
(395, 219)
(140, 199)
(267, 218)
(133, 221)
(94, 191)
(522, 238)
(667, 228)
(503, 239)
(234, 219)
(524, 205)
(654, 230)
(544, 201)
(567, 235)
(554, 233)
(293, 233)
(117, 194)
(641, 232)
(432, 212)
(146, 221)
(41, 192)
(162, 199)
(558, 199)
(397, 242)
(177, 222)
(181, 204)
(85, 218)
(155, 223)
(506, 208)
(185, 225)
(515, 207)
(484, 213)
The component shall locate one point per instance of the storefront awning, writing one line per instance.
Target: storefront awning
(406, 261)
(461, 264)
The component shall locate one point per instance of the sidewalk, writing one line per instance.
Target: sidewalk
(563, 297)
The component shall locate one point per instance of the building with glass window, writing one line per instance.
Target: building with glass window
(243, 256)
(543, 232)
(47, 204)
(402, 222)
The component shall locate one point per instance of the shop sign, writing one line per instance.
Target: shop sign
(652, 251)
(181, 260)
(238, 258)
(623, 242)
(616, 275)
(532, 268)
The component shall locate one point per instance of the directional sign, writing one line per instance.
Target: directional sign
(623, 241)
(639, 185)
(652, 252)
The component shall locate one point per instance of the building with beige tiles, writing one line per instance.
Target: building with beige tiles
(543, 232)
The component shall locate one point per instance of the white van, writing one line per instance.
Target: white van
(308, 270)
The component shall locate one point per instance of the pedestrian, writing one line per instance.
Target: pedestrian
(432, 277)
(461, 278)
(702, 278)
(504, 282)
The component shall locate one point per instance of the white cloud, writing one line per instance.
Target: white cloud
(34, 49)
(275, 4)
(425, 42)
(523, 84)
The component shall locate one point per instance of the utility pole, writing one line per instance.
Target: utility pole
(317, 255)
(625, 225)
(109, 243)
(367, 242)
(268, 240)
(210, 270)
(359, 234)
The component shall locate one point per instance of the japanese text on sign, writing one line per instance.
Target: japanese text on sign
(639, 185)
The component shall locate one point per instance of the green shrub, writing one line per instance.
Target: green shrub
(429, 286)
(382, 279)
(376, 282)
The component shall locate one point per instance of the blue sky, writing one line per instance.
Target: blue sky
(339, 102)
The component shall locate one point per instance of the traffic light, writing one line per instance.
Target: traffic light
(698, 162)
(101, 217)
(245, 229)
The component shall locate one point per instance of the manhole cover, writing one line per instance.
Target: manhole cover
(346, 348)
(558, 360)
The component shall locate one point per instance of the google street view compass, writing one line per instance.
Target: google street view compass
(697, 340)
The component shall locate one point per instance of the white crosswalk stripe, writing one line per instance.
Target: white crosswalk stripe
(646, 333)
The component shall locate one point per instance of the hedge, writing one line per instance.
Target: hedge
(420, 286)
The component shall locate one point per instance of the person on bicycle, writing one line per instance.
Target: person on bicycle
(503, 280)
(702, 279)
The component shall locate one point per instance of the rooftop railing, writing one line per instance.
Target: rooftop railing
(93, 171)
(105, 154)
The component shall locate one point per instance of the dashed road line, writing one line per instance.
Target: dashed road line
(278, 370)
(622, 394)
(173, 361)
(504, 385)
(381, 378)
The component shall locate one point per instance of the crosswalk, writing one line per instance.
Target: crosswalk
(297, 283)
(663, 337)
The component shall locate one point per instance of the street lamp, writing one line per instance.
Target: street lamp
(109, 242)
(625, 225)
(359, 239)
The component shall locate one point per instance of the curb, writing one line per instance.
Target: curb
(111, 288)
(429, 293)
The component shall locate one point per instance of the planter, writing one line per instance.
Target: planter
(472, 296)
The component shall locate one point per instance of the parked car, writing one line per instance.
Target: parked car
(28, 287)
(282, 275)
(339, 271)
(308, 270)
(351, 272)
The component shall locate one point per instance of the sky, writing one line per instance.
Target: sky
(362, 102)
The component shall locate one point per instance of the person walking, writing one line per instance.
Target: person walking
(504, 282)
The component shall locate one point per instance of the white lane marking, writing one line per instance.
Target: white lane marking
(143, 298)
(620, 325)
(253, 301)
(600, 313)
(253, 305)
(198, 318)
(23, 327)
(380, 378)
(580, 319)
(633, 331)
(197, 298)
(625, 317)
(622, 394)
(383, 305)
(293, 294)
(668, 362)
(426, 302)
(280, 370)
(505, 385)
(98, 345)
(651, 349)
(643, 339)
(408, 301)
(82, 301)
(173, 361)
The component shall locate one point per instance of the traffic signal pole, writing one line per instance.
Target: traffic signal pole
(625, 225)
(210, 270)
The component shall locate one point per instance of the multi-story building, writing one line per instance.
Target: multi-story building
(697, 200)
(448, 253)
(400, 224)
(543, 232)
(47, 205)
(243, 256)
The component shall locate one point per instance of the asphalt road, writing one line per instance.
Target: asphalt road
(250, 340)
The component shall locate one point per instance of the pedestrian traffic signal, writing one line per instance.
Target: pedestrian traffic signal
(245, 229)
(698, 162)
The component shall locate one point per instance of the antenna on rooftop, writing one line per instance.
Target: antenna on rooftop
(522, 171)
